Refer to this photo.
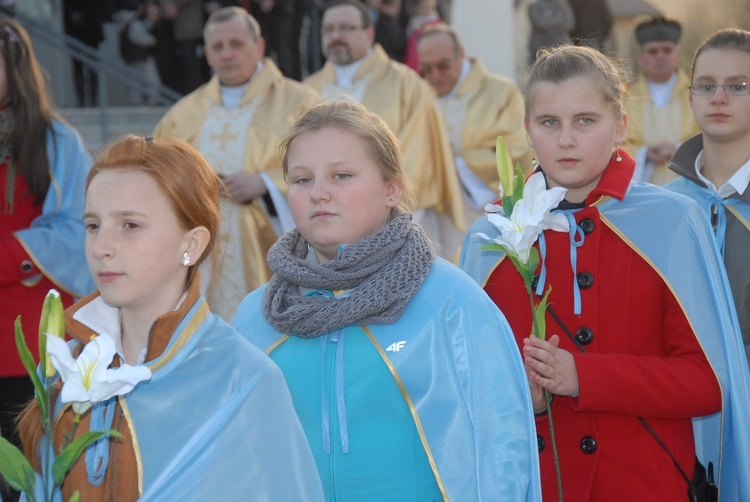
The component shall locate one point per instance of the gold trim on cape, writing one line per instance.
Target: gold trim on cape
(739, 216)
(276, 344)
(44, 271)
(134, 436)
(413, 411)
(640, 253)
(182, 338)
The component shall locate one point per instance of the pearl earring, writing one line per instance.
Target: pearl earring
(619, 157)
(185, 259)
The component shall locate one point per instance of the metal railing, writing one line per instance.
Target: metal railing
(90, 59)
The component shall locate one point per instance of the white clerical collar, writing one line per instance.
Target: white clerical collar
(465, 69)
(231, 95)
(345, 73)
(738, 183)
(661, 92)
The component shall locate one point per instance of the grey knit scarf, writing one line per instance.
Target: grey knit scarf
(383, 271)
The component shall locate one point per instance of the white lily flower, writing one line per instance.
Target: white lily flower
(88, 379)
(530, 217)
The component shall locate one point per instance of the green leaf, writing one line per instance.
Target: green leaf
(76, 497)
(533, 262)
(508, 203)
(28, 362)
(523, 269)
(70, 454)
(15, 468)
(493, 247)
(540, 317)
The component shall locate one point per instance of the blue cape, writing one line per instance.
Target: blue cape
(55, 239)
(463, 380)
(216, 421)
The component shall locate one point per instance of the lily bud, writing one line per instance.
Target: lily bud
(505, 170)
(52, 323)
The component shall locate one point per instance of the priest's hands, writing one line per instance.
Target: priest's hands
(661, 153)
(244, 187)
(549, 367)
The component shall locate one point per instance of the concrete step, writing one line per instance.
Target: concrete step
(119, 122)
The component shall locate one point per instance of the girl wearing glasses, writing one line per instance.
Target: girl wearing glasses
(714, 166)
(638, 325)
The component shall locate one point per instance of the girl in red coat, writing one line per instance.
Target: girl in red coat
(623, 345)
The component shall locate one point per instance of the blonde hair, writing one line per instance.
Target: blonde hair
(380, 143)
(569, 61)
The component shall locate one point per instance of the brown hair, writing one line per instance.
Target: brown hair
(729, 38)
(364, 11)
(190, 184)
(30, 107)
(435, 29)
(380, 143)
(227, 13)
(569, 61)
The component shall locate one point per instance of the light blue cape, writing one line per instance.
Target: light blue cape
(55, 239)
(462, 372)
(216, 421)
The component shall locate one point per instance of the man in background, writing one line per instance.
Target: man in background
(658, 106)
(359, 69)
(477, 107)
(235, 120)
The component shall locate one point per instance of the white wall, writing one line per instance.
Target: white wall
(487, 30)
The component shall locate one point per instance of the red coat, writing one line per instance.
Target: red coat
(22, 292)
(642, 359)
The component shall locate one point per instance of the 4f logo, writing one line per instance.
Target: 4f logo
(396, 346)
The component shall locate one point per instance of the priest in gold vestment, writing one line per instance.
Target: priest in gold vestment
(658, 104)
(477, 107)
(236, 120)
(358, 69)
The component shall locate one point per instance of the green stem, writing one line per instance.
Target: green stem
(548, 401)
(555, 456)
(49, 426)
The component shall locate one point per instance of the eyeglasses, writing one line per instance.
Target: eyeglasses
(738, 89)
(341, 28)
(440, 66)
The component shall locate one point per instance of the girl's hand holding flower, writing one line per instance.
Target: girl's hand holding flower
(552, 368)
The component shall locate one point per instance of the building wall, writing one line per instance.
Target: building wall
(487, 29)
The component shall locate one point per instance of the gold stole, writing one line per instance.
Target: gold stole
(223, 143)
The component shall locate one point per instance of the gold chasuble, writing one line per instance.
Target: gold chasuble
(649, 125)
(484, 107)
(404, 101)
(234, 140)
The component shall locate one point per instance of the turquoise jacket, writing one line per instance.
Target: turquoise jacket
(449, 367)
